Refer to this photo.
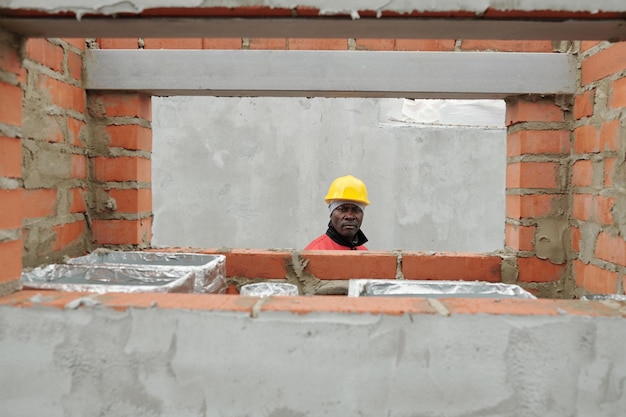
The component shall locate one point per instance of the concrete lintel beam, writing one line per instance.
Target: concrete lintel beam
(330, 73)
(400, 28)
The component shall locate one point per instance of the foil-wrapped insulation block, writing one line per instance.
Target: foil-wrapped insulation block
(434, 288)
(266, 289)
(133, 271)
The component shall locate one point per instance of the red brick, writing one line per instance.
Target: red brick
(582, 173)
(575, 238)
(451, 266)
(75, 65)
(532, 175)
(586, 45)
(10, 157)
(250, 263)
(520, 237)
(539, 270)
(375, 44)
(122, 232)
(11, 260)
(350, 264)
(40, 202)
(537, 142)
(64, 95)
(604, 63)
(582, 206)
(172, 43)
(77, 200)
(10, 61)
(529, 206)
(77, 42)
(317, 44)
(118, 43)
(117, 105)
(527, 111)
(130, 137)
(506, 46)
(45, 53)
(425, 44)
(583, 104)
(132, 200)
(602, 209)
(594, 279)
(12, 208)
(79, 166)
(268, 43)
(68, 234)
(123, 168)
(611, 248)
(221, 43)
(609, 171)
(610, 135)
(74, 128)
(11, 104)
(618, 93)
(586, 139)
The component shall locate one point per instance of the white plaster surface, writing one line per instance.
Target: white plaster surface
(253, 172)
(108, 7)
(158, 362)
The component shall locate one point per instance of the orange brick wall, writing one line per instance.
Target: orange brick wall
(12, 81)
(121, 169)
(563, 175)
(598, 178)
(536, 193)
(54, 154)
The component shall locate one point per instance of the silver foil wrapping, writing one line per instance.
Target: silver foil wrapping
(266, 289)
(604, 297)
(133, 271)
(103, 279)
(434, 288)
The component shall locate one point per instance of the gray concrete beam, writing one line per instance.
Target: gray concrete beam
(412, 28)
(330, 73)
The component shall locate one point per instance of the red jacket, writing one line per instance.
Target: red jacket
(324, 242)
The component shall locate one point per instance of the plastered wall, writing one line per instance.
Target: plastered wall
(253, 173)
(234, 356)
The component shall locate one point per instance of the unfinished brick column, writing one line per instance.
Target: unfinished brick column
(599, 170)
(538, 145)
(120, 169)
(54, 153)
(11, 204)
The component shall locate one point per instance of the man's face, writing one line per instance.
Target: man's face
(346, 219)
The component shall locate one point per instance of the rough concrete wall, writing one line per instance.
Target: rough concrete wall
(160, 362)
(242, 172)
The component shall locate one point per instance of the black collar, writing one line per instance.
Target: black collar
(358, 240)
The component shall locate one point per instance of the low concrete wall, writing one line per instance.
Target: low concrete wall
(253, 172)
(307, 356)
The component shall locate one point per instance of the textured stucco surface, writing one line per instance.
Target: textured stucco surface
(158, 362)
(325, 6)
(253, 172)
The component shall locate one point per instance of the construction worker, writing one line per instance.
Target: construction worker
(346, 200)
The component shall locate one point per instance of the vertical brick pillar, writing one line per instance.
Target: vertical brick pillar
(120, 169)
(599, 171)
(12, 77)
(54, 153)
(538, 145)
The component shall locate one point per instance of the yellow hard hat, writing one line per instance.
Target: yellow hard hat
(347, 188)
